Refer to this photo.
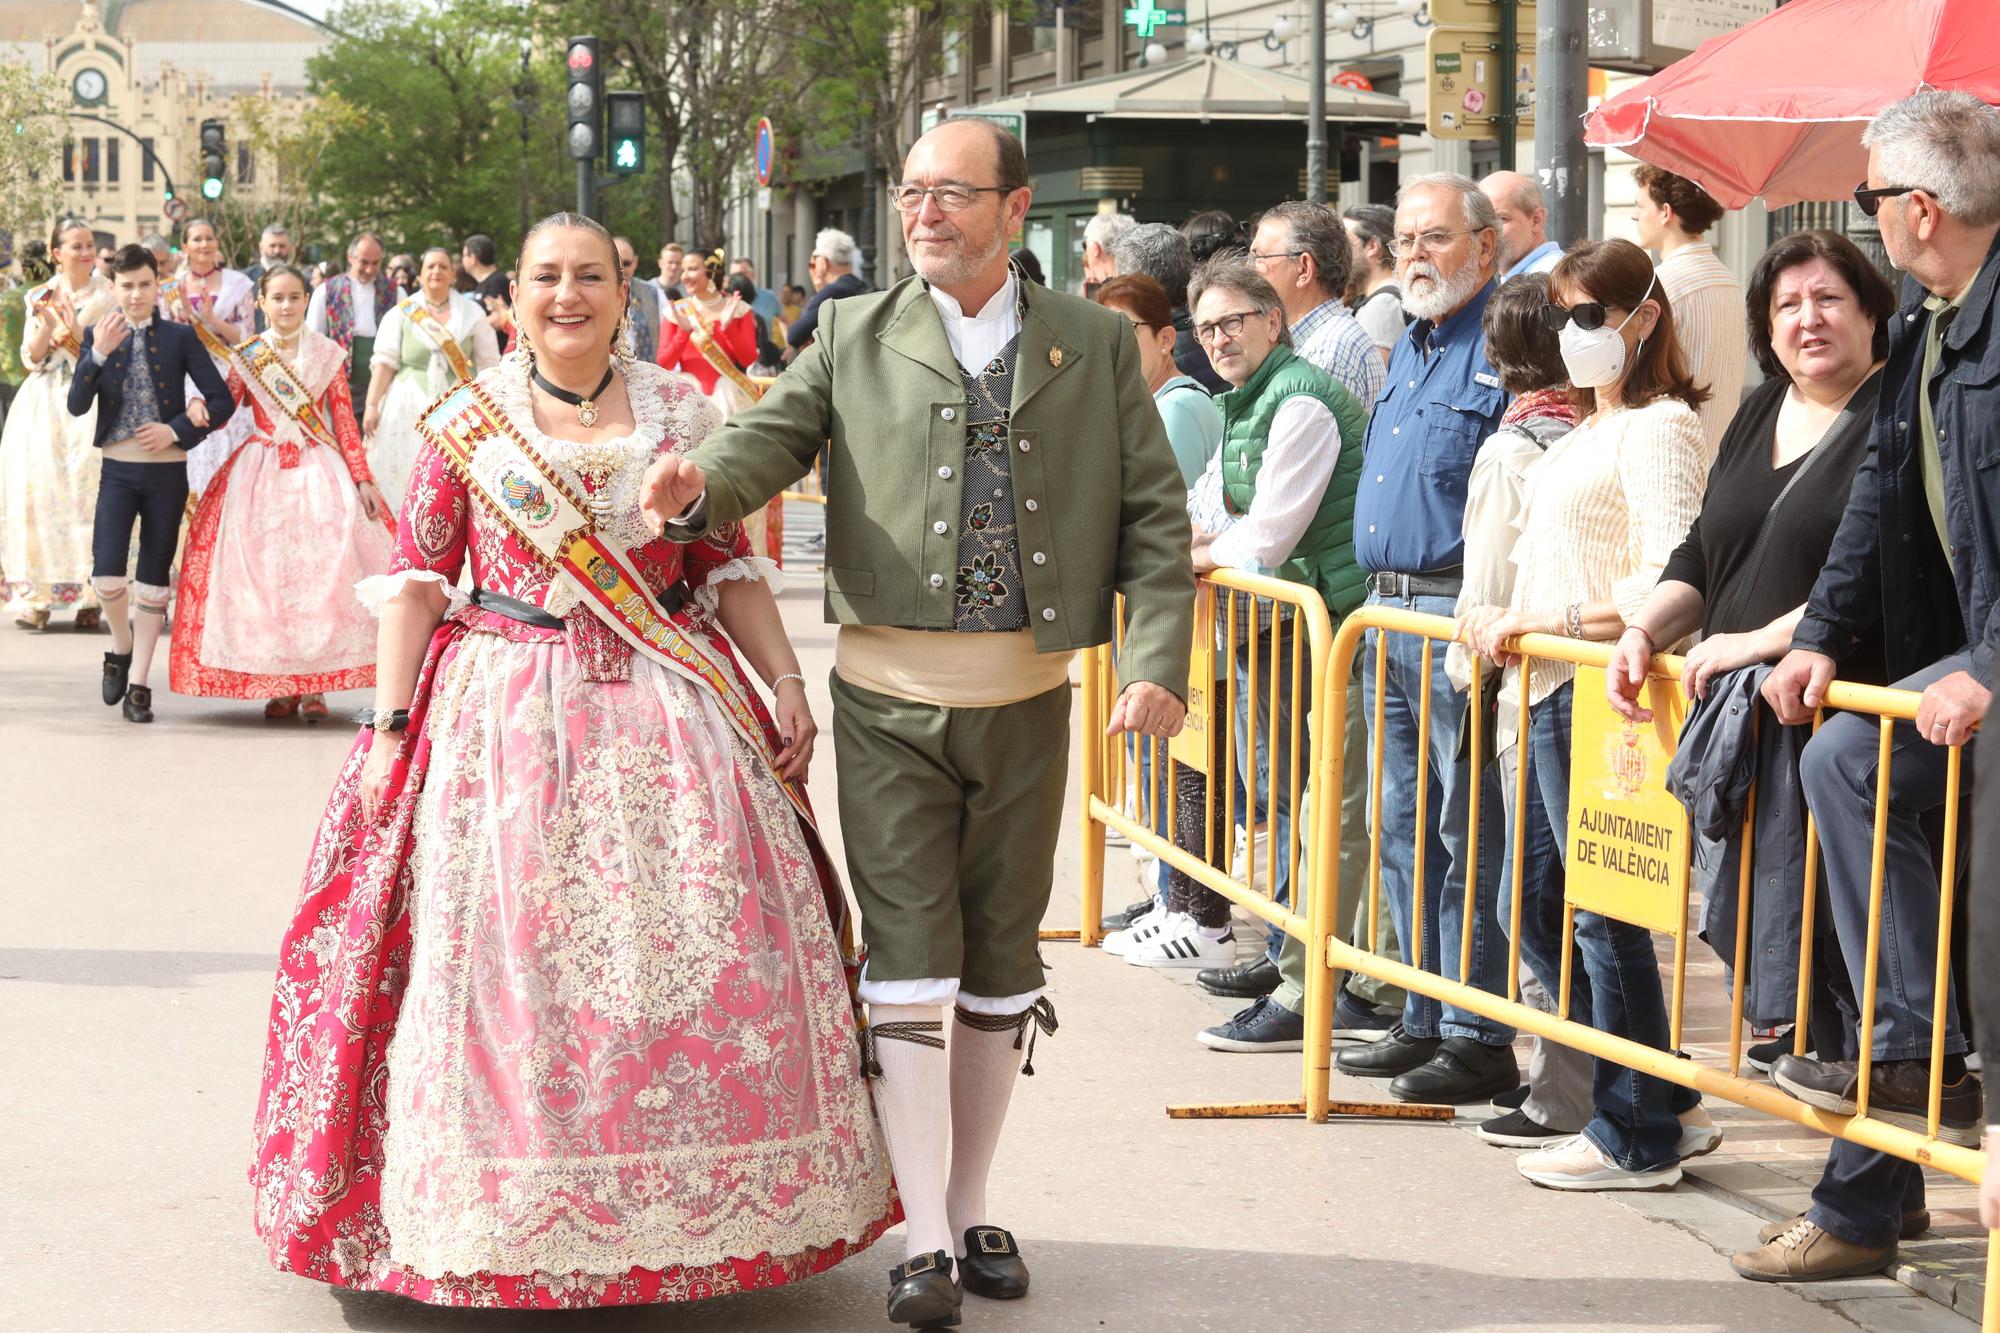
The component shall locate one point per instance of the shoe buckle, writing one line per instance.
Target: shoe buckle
(992, 1240)
(923, 1263)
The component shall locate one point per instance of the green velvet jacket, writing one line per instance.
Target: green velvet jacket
(1098, 497)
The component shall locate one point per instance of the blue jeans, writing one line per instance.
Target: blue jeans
(1838, 773)
(1542, 883)
(1445, 831)
(1277, 800)
(1635, 1120)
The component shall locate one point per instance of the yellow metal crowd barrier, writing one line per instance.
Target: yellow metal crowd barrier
(1114, 800)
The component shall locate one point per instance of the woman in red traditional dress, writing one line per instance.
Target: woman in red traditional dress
(286, 528)
(562, 1018)
(709, 333)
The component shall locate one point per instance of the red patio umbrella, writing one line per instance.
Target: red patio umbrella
(1777, 107)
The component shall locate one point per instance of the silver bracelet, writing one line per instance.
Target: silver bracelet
(789, 675)
(1573, 621)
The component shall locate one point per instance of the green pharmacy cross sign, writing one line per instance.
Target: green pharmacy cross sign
(1148, 17)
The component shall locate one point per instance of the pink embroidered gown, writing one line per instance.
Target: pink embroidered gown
(266, 605)
(571, 1025)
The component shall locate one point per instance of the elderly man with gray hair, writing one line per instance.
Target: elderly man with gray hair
(1161, 253)
(1915, 567)
(831, 269)
(1525, 246)
(1302, 250)
(1100, 235)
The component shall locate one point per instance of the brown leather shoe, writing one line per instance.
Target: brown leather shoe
(1807, 1253)
(1915, 1223)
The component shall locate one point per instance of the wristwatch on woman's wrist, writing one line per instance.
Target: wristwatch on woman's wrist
(395, 719)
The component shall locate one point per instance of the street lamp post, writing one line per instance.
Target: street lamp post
(1316, 110)
(1562, 163)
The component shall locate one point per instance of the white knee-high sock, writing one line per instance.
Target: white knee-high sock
(117, 611)
(911, 1099)
(983, 1068)
(147, 625)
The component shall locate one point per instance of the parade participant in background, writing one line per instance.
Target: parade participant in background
(1377, 300)
(643, 317)
(1917, 557)
(220, 305)
(274, 246)
(132, 371)
(963, 589)
(1442, 401)
(48, 471)
(833, 277)
(402, 273)
(1673, 215)
(347, 306)
(285, 530)
(1606, 507)
(429, 341)
(617, 1066)
(1525, 246)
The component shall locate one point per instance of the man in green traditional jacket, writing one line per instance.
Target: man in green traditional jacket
(997, 476)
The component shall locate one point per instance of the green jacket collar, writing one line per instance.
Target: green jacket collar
(916, 331)
(1241, 399)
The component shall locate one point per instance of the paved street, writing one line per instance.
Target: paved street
(152, 870)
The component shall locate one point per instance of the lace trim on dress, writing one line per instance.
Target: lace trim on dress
(376, 592)
(750, 569)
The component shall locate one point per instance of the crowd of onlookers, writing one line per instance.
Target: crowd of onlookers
(1436, 407)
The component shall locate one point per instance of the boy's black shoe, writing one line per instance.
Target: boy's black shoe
(138, 704)
(116, 667)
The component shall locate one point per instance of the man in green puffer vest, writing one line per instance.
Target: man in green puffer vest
(1279, 500)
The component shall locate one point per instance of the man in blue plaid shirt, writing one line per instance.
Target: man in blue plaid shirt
(1302, 250)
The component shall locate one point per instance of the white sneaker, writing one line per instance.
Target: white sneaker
(1577, 1164)
(1699, 1134)
(1182, 944)
(1239, 864)
(1119, 942)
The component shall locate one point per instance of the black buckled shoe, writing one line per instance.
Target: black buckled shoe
(922, 1294)
(992, 1266)
(138, 704)
(117, 666)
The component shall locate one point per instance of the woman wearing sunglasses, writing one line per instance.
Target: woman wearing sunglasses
(1606, 507)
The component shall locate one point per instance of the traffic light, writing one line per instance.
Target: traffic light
(585, 96)
(625, 135)
(214, 158)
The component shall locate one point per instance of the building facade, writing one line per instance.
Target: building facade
(141, 76)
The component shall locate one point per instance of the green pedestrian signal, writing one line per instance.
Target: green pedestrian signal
(625, 138)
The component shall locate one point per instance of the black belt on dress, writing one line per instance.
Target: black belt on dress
(513, 608)
(1443, 583)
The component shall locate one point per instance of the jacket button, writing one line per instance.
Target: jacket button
(937, 580)
(939, 527)
(1048, 613)
(949, 414)
(1024, 444)
(945, 472)
(1039, 558)
(1031, 506)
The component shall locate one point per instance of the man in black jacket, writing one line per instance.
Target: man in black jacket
(1918, 553)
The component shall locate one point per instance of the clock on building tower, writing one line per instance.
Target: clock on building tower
(89, 86)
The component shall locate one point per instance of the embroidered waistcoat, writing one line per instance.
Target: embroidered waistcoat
(989, 593)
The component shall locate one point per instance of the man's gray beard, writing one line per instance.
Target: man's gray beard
(963, 267)
(1445, 295)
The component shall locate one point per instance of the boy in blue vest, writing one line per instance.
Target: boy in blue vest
(134, 367)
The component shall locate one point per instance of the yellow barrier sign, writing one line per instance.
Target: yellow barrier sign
(1193, 746)
(1628, 838)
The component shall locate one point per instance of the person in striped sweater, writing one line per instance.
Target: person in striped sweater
(1673, 216)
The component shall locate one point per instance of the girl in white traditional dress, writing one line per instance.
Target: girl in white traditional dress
(48, 466)
(285, 530)
(432, 339)
(562, 1018)
(221, 305)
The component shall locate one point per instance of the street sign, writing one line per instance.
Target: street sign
(764, 198)
(767, 151)
(1014, 122)
(175, 210)
(1470, 84)
(1483, 14)
(1145, 17)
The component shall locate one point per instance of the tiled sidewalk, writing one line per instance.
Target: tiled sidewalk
(1765, 1165)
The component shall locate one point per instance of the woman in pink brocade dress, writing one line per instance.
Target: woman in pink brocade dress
(562, 1019)
(288, 524)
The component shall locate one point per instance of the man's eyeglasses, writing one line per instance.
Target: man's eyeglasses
(1229, 326)
(950, 198)
(1405, 246)
(1259, 256)
(1870, 201)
